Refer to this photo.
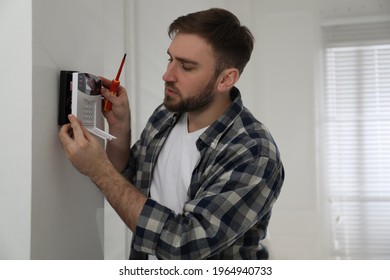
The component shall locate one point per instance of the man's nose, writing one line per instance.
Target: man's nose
(170, 73)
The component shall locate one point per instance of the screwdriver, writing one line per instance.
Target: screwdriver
(114, 86)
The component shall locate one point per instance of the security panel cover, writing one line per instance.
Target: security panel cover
(87, 103)
(80, 95)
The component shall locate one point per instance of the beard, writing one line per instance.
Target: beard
(197, 103)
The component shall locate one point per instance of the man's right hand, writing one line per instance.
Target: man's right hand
(119, 116)
(119, 122)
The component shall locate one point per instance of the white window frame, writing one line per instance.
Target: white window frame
(359, 220)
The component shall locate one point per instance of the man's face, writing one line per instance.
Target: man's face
(190, 76)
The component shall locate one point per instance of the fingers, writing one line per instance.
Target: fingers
(78, 130)
(72, 131)
(106, 82)
(120, 104)
(108, 95)
(64, 135)
(87, 134)
(81, 147)
(118, 101)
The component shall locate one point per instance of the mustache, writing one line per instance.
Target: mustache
(171, 87)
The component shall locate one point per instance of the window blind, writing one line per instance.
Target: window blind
(356, 138)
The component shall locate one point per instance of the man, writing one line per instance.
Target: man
(201, 181)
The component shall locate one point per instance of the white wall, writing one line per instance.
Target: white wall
(15, 123)
(286, 61)
(47, 209)
(67, 209)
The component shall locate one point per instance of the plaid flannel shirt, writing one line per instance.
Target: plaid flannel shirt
(233, 188)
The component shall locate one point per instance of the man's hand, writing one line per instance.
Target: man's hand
(119, 116)
(87, 155)
(82, 148)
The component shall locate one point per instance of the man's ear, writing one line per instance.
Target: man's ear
(227, 79)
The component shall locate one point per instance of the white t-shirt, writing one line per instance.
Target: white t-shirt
(175, 164)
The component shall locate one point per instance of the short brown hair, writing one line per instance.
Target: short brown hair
(232, 42)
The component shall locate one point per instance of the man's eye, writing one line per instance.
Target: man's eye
(186, 67)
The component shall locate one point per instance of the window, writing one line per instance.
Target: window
(356, 139)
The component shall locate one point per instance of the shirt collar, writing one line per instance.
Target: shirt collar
(213, 134)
